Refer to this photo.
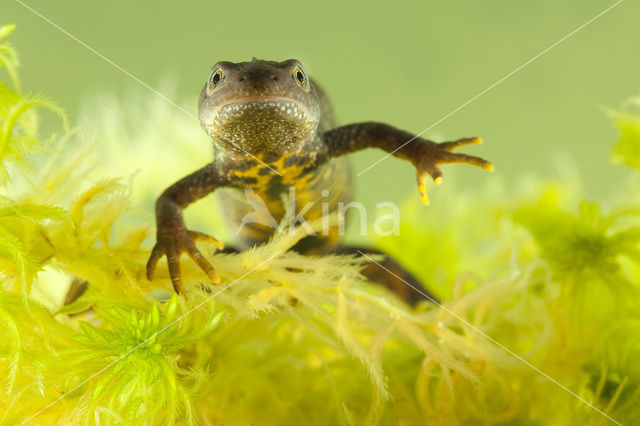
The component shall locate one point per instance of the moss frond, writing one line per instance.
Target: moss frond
(585, 248)
(627, 121)
(9, 55)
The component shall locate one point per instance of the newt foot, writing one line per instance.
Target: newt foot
(173, 244)
(427, 156)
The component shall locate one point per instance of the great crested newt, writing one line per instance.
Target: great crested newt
(273, 129)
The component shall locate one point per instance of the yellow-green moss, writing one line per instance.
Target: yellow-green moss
(627, 148)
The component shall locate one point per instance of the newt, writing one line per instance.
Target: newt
(273, 129)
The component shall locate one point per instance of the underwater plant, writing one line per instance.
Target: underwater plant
(539, 322)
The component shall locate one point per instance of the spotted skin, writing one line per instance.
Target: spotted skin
(308, 186)
(273, 131)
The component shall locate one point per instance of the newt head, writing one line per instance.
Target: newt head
(259, 106)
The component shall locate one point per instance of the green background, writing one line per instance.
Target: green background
(405, 63)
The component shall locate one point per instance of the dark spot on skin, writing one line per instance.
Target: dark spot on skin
(245, 165)
(264, 171)
(275, 188)
(307, 170)
(247, 181)
(271, 157)
(293, 160)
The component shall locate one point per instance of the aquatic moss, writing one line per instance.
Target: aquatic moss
(627, 121)
(288, 339)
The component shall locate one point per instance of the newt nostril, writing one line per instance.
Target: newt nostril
(275, 77)
(241, 78)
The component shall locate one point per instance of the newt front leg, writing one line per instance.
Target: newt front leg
(424, 154)
(173, 237)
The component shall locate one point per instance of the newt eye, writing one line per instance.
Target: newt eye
(300, 77)
(215, 78)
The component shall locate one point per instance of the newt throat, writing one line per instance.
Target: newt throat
(262, 124)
